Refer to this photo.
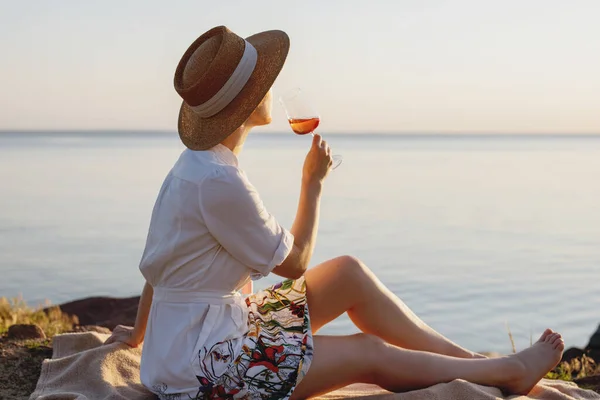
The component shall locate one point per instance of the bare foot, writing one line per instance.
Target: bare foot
(534, 363)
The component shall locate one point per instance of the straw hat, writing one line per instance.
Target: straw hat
(222, 78)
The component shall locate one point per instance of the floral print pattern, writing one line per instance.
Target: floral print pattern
(270, 360)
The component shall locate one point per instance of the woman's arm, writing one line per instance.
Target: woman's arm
(248, 288)
(141, 320)
(304, 230)
(134, 336)
(316, 167)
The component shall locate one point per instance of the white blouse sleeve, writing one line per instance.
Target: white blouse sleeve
(235, 215)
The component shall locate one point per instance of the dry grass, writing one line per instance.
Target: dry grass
(512, 340)
(22, 359)
(577, 368)
(16, 311)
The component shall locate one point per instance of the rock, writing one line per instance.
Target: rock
(23, 331)
(92, 328)
(594, 343)
(105, 312)
(594, 355)
(589, 382)
(572, 353)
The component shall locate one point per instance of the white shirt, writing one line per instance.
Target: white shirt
(209, 235)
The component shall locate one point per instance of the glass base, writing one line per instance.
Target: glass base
(337, 161)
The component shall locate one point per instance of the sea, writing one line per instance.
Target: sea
(482, 236)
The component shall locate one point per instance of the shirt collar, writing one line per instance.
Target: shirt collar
(224, 154)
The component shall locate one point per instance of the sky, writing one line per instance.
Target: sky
(514, 66)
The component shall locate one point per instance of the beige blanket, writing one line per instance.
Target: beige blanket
(82, 369)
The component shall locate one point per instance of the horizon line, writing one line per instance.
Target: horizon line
(350, 133)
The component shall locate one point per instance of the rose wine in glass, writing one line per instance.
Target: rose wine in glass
(302, 116)
(302, 126)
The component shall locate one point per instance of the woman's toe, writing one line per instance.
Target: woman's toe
(546, 333)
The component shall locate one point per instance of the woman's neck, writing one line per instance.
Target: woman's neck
(235, 141)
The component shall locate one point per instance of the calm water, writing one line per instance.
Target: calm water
(471, 232)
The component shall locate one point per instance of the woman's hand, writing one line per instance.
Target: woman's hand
(125, 334)
(318, 161)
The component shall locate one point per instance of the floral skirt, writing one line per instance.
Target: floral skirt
(275, 353)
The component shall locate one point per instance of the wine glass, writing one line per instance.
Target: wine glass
(302, 117)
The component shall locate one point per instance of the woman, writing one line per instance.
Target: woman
(210, 235)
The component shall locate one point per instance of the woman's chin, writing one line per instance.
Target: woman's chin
(265, 121)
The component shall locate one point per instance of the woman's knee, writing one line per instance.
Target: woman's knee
(352, 266)
(373, 350)
(344, 273)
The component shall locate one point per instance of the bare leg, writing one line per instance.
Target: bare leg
(345, 284)
(341, 360)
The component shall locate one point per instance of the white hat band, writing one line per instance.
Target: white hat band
(232, 87)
